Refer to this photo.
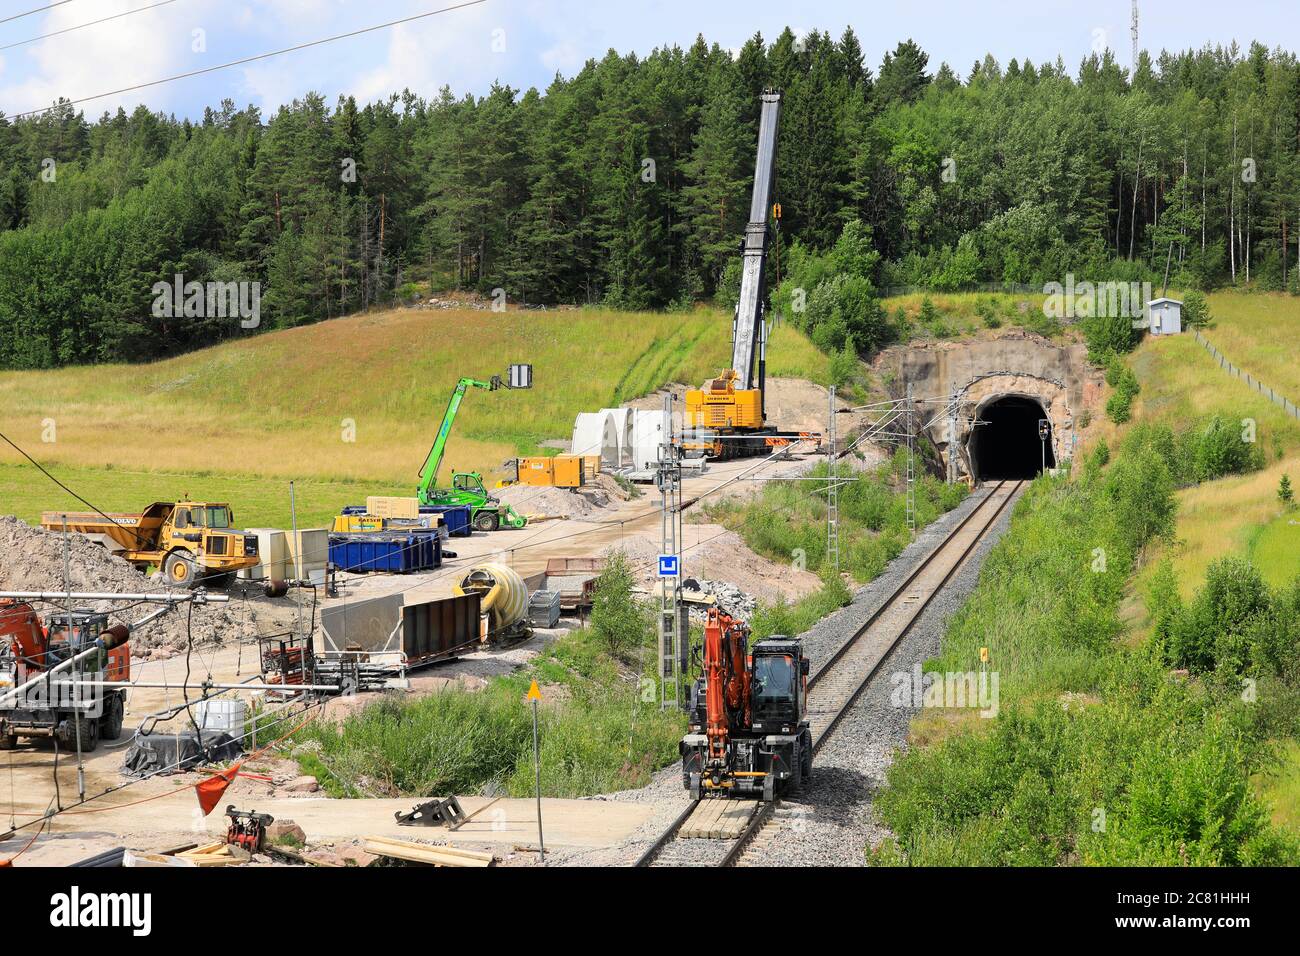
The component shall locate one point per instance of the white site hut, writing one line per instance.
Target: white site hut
(1165, 316)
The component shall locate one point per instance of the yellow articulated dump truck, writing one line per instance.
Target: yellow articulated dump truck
(188, 540)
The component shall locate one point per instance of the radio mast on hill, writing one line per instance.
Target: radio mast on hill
(1134, 31)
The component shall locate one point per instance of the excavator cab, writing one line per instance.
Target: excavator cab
(776, 687)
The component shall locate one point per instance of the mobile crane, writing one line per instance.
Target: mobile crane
(487, 513)
(727, 417)
(749, 733)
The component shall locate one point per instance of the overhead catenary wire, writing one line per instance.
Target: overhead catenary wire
(248, 59)
(82, 26)
(28, 13)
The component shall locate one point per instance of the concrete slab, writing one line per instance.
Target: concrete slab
(502, 821)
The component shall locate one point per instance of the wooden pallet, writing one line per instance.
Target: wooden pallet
(414, 852)
(717, 820)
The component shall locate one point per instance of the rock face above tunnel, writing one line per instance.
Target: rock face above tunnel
(984, 370)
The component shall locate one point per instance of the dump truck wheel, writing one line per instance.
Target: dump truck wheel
(487, 521)
(179, 569)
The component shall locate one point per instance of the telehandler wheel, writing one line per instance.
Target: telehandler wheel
(110, 725)
(487, 521)
(8, 741)
(178, 569)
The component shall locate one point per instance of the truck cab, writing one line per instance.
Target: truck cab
(199, 539)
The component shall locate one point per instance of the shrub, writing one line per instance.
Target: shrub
(1284, 492)
(1219, 449)
(1196, 310)
(619, 620)
(1217, 627)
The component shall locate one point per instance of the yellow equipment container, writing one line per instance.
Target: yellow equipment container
(590, 467)
(558, 471)
(352, 524)
(505, 598)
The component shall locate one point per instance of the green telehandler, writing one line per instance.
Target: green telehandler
(487, 513)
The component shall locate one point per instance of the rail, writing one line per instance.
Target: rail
(860, 661)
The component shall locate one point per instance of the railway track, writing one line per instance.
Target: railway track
(840, 681)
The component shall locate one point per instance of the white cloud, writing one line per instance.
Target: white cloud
(109, 56)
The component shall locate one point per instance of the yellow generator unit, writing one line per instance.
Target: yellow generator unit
(552, 471)
(505, 600)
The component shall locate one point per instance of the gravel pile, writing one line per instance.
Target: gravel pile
(555, 502)
(31, 559)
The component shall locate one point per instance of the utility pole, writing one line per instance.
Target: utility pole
(832, 492)
(952, 437)
(74, 648)
(673, 651)
(910, 429)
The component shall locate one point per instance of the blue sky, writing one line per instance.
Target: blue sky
(524, 42)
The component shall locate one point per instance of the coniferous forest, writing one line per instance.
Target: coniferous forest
(628, 185)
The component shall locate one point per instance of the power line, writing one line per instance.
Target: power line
(248, 59)
(51, 6)
(82, 26)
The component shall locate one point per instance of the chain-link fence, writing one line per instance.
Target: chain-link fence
(1277, 398)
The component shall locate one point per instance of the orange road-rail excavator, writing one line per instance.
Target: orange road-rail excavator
(54, 708)
(749, 733)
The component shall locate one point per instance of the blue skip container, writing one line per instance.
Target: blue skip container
(388, 551)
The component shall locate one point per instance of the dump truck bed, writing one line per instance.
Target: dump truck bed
(129, 531)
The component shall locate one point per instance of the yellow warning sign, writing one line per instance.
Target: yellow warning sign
(534, 692)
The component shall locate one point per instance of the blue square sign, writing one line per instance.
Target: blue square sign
(669, 566)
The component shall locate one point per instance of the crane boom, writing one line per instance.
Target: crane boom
(749, 309)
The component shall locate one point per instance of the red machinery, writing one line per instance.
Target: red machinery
(748, 718)
(28, 650)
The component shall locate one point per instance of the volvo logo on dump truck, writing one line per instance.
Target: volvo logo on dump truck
(188, 540)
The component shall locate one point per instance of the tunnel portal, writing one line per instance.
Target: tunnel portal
(1005, 443)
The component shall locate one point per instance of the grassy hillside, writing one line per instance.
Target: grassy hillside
(238, 420)
(1182, 384)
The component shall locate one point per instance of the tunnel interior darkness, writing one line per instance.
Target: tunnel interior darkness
(1005, 443)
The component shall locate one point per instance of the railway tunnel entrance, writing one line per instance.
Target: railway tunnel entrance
(1005, 444)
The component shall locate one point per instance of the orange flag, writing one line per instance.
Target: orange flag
(210, 791)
